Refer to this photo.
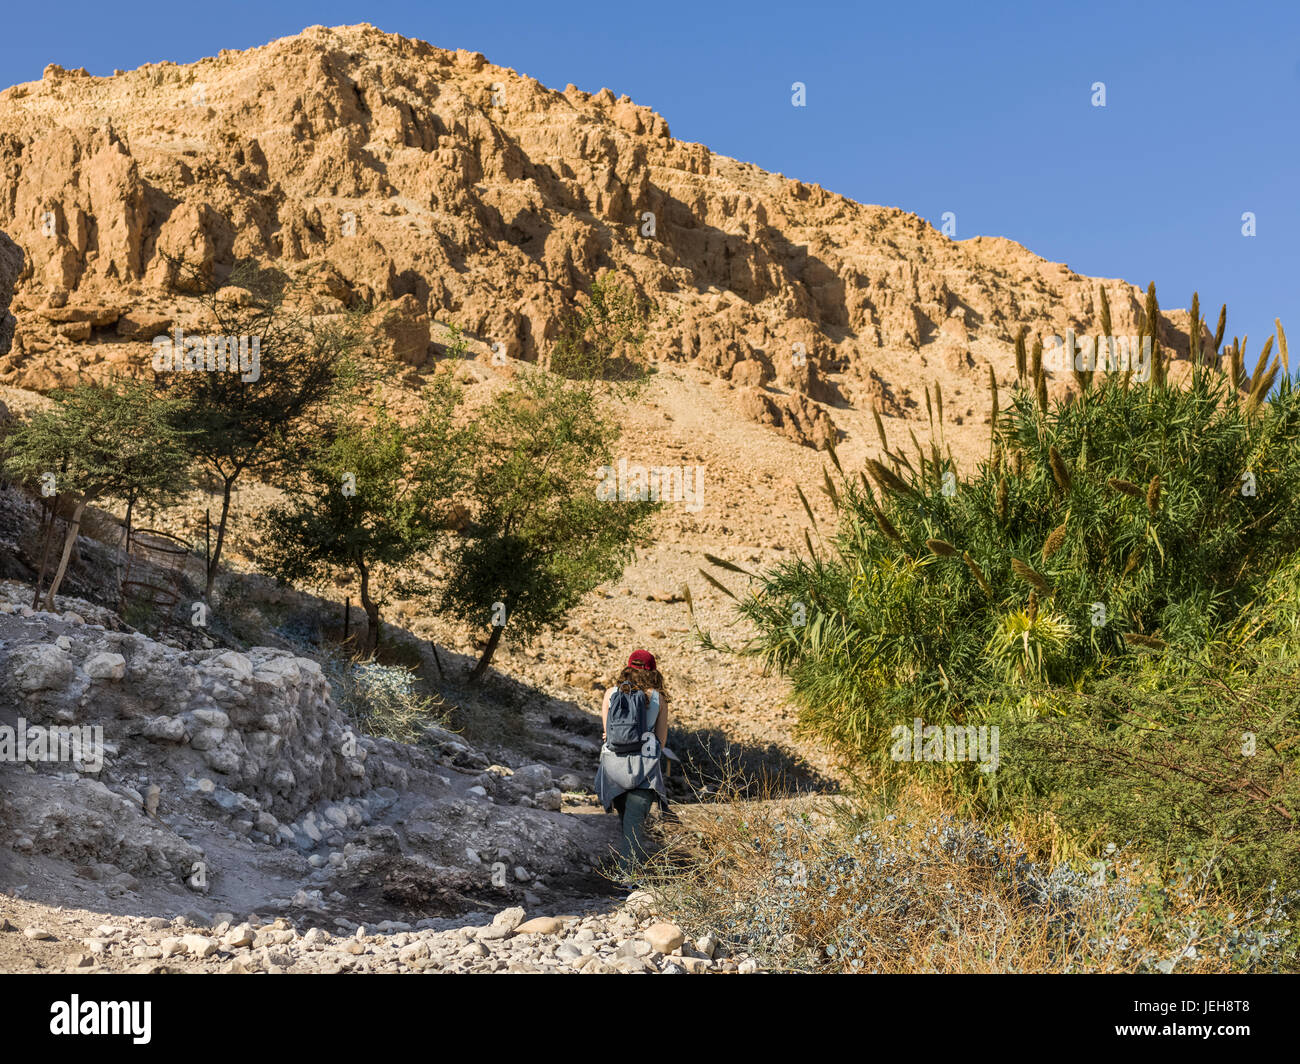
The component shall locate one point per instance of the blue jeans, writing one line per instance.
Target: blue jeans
(633, 808)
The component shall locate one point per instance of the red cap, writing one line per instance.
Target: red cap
(641, 659)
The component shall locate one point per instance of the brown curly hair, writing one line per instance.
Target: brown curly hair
(642, 680)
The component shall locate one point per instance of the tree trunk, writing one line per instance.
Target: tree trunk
(69, 541)
(228, 485)
(372, 611)
(497, 629)
(477, 675)
(121, 572)
(51, 514)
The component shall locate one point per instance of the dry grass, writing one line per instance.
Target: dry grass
(808, 884)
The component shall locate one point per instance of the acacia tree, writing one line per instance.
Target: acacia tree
(96, 443)
(539, 538)
(261, 415)
(603, 335)
(374, 497)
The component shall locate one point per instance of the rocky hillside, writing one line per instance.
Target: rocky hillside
(445, 189)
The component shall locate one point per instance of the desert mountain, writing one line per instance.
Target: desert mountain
(448, 190)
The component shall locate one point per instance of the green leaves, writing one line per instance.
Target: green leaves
(539, 536)
(102, 442)
(374, 498)
(1143, 529)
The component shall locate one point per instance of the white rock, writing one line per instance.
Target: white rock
(105, 667)
(664, 937)
(416, 951)
(509, 918)
(198, 945)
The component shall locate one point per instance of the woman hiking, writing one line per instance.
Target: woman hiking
(634, 726)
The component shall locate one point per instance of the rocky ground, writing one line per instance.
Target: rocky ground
(627, 938)
(234, 824)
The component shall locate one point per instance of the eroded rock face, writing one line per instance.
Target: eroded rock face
(140, 765)
(261, 723)
(440, 188)
(11, 264)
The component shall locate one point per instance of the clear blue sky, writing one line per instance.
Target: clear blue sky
(979, 109)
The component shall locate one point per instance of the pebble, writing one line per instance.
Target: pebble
(664, 937)
(198, 945)
(540, 925)
(240, 937)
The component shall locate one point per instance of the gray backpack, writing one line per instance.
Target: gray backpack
(625, 724)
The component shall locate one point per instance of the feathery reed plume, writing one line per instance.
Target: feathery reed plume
(1152, 311)
(835, 458)
(886, 478)
(806, 508)
(1081, 376)
(1126, 486)
(722, 563)
(1134, 560)
(1031, 576)
(829, 488)
(1060, 471)
(1281, 346)
(920, 454)
(1223, 324)
(884, 524)
(1148, 642)
(1236, 364)
(721, 587)
(1054, 541)
(1261, 387)
(1033, 606)
(1153, 495)
(1040, 378)
(1261, 366)
(1021, 356)
(942, 548)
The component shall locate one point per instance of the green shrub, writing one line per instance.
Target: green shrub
(1115, 588)
(1128, 499)
(1190, 770)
